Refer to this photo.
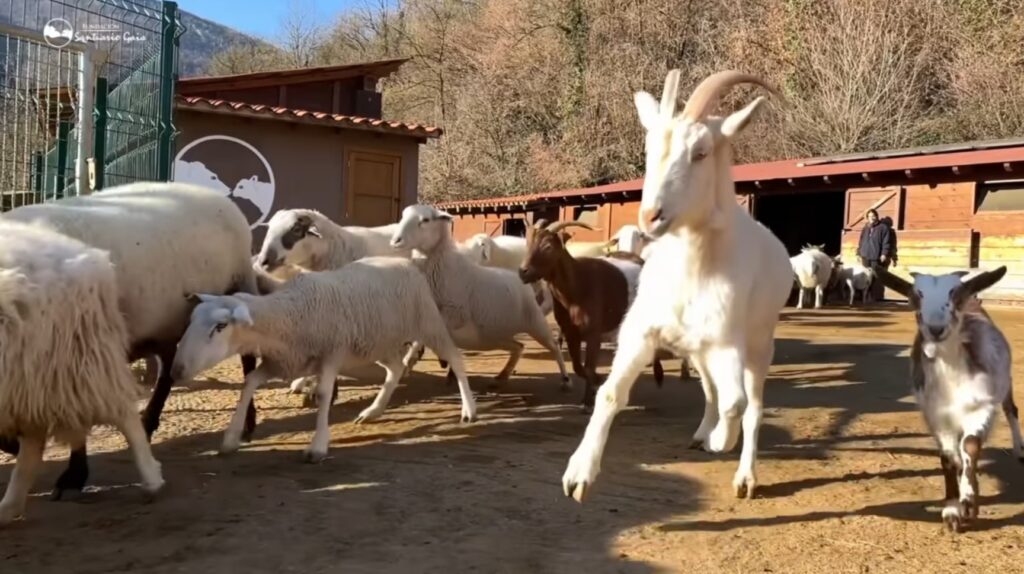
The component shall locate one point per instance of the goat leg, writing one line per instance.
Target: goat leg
(593, 353)
(951, 512)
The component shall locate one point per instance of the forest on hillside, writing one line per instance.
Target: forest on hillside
(536, 95)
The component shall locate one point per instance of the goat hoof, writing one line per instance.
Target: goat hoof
(566, 384)
(314, 456)
(696, 444)
(67, 494)
(969, 508)
(466, 419)
(952, 519)
(745, 488)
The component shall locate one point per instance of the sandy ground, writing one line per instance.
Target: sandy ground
(850, 482)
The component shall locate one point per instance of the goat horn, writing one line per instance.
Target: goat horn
(708, 92)
(670, 94)
(541, 223)
(560, 225)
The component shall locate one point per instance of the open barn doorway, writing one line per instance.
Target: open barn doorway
(798, 219)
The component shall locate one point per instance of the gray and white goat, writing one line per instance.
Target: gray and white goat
(960, 369)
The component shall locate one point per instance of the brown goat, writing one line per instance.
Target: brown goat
(591, 296)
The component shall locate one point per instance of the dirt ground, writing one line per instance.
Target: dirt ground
(849, 481)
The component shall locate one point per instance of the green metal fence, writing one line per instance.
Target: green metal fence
(86, 89)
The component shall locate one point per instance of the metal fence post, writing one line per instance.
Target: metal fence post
(168, 76)
(99, 142)
(63, 131)
(86, 83)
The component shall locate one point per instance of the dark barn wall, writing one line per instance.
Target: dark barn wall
(308, 161)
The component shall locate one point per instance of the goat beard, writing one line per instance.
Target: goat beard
(930, 349)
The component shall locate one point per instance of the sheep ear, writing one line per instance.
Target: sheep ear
(894, 282)
(647, 109)
(738, 121)
(980, 282)
(241, 315)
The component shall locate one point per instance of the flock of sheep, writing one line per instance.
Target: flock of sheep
(164, 272)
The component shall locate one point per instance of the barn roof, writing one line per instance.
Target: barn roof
(308, 117)
(205, 84)
(967, 161)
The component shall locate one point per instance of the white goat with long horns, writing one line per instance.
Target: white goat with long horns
(712, 288)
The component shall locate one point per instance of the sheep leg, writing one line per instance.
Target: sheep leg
(393, 367)
(635, 351)
(853, 292)
(9, 444)
(819, 294)
(759, 360)
(710, 418)
(448, 350)
(726, 366)
(412, 357)
(248, 366)
(800, 298)
(1010, 410)
(659, 372)
(138, 442)
(951, 512)
(30, 455)
(317, 449)
(541, 333)
(164, 382)
(515, 349)
(74, 477)
(233, 435)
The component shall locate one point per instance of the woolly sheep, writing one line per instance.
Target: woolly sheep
(960, 367)
(855, 277)
(712, 289)
(483, 307)
(317, 324)
(813, 269)
(308, 239)
(165, 240)
(63, 351)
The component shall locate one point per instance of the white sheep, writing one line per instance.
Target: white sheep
(165, 240)
(813, 270)
(589, 248)
(483, 307)
(317, 324)
(855, 277)
(960, 367)
(63, 354)
(308, 239)
(712, 289)
(506, 252)
(631, 240)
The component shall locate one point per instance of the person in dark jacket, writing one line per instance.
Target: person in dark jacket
(875, 248)
(892, 234)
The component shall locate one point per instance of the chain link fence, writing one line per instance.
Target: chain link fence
(86, 95)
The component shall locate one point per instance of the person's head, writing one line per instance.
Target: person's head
(872, 216)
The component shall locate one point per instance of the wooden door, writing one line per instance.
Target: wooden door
(374, 188)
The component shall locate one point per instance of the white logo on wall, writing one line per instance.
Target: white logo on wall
(211, 161)
(58, 32)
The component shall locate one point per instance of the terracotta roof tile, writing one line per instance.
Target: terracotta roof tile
(322, 118)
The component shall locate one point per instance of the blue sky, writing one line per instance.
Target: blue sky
(260, 17)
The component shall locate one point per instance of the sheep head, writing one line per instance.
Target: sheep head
(292, 238)
(939, 300)
(686, 156)
(423, 228)
(211, 334)
(545, 245)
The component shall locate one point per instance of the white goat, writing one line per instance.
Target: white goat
(63, 354)
(813, 269)
(483, 307)
(856, 277)
(711, 290)
(317, 324)
(960, 366)
(589, 248)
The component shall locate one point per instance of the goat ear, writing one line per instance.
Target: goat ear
(312, 230)
(738, 121)
(982, 281)
(444, 215)
(647, 109)
(241, 315)
(198, 298)
(895, 282)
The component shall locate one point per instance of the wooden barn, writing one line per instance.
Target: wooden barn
(954, 206)
(311, 137)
